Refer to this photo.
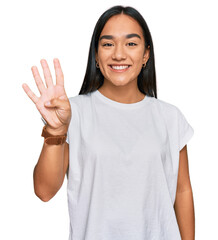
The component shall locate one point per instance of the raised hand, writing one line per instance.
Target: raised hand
(58, 113)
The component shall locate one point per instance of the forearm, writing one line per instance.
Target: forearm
(184, 209)
(49, 171)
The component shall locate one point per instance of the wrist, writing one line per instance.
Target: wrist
(58, 131)
(54, 137)
(55, 131)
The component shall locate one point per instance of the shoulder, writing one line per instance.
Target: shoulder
(76, 99)
(175, 120)
(168, 109)
(80, 104)
(79, 99)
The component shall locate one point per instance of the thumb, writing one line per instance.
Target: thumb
(56, 102)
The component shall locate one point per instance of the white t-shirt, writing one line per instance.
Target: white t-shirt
(123, 168)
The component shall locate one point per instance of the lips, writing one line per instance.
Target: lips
(119, 67)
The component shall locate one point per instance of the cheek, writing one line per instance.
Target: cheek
(103, 56)
(103, 60)
(137, 56)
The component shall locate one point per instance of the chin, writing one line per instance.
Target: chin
(120, 82)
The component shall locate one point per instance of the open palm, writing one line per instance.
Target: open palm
(58, 114)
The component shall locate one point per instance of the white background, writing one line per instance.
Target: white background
(185, 42)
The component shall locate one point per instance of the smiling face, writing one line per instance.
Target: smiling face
(121, 50)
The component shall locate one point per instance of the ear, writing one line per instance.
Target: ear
(146, 55)
(96, 56)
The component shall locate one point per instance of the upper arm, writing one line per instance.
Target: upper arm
(183, 183)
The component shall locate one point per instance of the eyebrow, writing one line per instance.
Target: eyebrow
(127, 36)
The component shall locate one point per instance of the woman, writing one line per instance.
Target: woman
(122, 149)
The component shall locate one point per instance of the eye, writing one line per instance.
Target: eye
(107, 44)
(131, 44)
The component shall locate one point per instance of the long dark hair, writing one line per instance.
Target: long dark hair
(94, 79)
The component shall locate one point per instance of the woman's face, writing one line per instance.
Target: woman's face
(121, 50)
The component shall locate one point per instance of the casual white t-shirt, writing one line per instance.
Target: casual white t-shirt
(123, 168)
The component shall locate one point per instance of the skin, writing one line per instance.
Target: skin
(121, 87)
(184, 203)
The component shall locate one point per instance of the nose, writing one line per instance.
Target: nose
(119, 53)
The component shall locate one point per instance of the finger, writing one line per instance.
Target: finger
(39, 83)
(30, 94)
(58, 72)
(47, 73)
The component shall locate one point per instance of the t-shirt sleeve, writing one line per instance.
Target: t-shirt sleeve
(179, 132)
(73, 120)
(185, 130)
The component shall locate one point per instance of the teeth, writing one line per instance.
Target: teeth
(119, 67)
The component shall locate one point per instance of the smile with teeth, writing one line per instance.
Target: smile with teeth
(119, 67)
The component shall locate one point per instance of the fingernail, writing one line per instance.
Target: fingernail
(48, 103)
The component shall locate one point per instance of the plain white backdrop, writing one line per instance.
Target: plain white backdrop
(185, 42)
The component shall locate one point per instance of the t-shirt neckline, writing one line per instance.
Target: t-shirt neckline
(121, 105)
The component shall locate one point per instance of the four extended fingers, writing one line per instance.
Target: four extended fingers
(48, 78)
(58, 72)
